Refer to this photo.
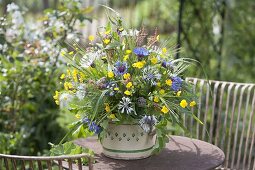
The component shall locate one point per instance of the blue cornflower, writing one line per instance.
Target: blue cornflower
(120, 68)
(151, 75)
(92, 125)
(141, 52)
(94, 128)
(176, 83)
(167, 64)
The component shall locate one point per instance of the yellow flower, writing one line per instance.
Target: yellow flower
(112, 116)
(193, 103)
(62, 76)
(158, 84)
(75, 75)
(139, 64)
(154, 60)
(157, 37)
(68, 72)
(179, 93)
(106, 41)
(183, 103)
(126, 57)
(164, 50)
(164, 109)
(56, 95)
(116, 89)
(128, 93)
(126, 76)
(78, 116)
(128, 51)
(57, 102)
(169, 82)
(129, 85)
(71, 53)
(82, 77)
(63, 53)
(68, 85)
(107, 31)
(162, 91)
(91, 38)
(156, 99)
(107, 108)
(110, 74)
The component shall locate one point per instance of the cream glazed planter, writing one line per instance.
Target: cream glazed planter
(127, 141)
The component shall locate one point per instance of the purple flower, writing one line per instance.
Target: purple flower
(167, 64)
(91, 125)
(176, 83)
(141, 52)
(94, 128)
(120, 68)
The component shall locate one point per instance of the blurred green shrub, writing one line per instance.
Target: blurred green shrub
(29, 65)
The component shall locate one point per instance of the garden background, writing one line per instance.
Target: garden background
(218, 33)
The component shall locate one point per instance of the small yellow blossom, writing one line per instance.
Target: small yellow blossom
(157, 37)
(68, 85)
(158, 84)
(112, 116)
(127, 92)
(116, 89)
(82, 77)
(164, 50)
(106, 41)
(169, 82)
(71, 53)
(91, 38)
(78, 116)
(107, 108)
(126, 76)
(56, 95)
(154, 60)
(193, 103)
(107, 31)
(128, 51)
(164, 109)
(75, 73)
(162, 91)
(156, 99)
(139, 64)
(110, 74)
(68, 72)
(62, 76)
(57, 102)
(179, 93)
(183, 103)
(63, 53)
(129, 85)
(126, 57)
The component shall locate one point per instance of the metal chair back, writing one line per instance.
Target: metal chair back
(71, 162)
(227, 110)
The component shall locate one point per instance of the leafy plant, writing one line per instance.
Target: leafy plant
(29, 65)
(127, 77)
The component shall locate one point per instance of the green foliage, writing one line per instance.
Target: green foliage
(29, 67)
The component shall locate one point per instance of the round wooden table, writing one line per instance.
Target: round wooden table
(181, 153)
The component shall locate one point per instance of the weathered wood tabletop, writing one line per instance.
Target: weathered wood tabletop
(181, 153)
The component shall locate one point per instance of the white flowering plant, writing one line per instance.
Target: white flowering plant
(124, 75)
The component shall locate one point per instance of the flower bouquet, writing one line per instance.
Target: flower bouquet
(126, 87)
